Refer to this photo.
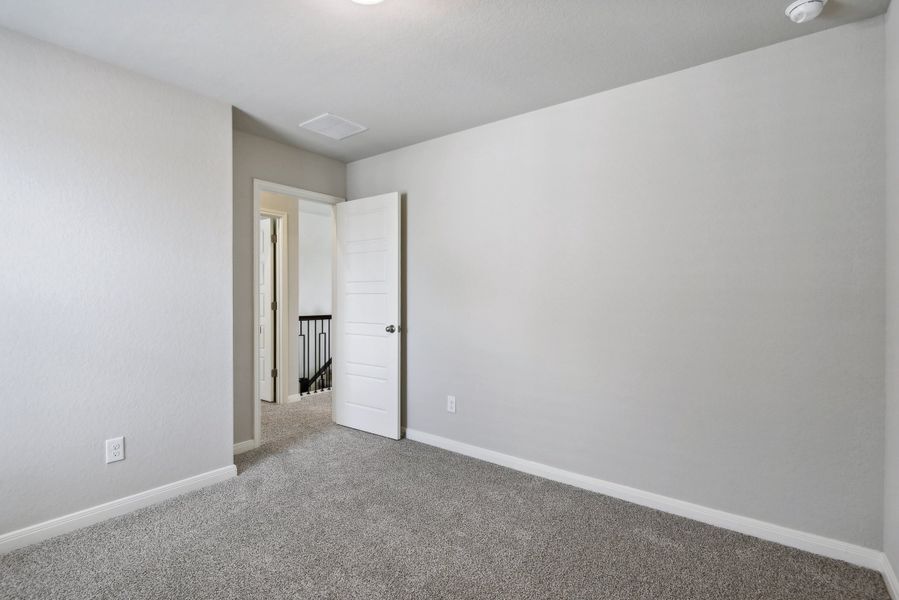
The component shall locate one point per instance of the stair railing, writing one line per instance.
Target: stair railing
(315, 353)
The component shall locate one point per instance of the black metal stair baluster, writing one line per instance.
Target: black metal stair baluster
(317, 357)
(328, 346)
(315, 363)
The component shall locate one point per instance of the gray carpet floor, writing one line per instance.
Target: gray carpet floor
(321, 511)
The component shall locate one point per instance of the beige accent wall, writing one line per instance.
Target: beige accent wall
(259, 158)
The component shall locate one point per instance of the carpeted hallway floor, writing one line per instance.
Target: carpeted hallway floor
(320, 511)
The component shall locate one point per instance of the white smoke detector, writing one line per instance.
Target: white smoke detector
(803, 11)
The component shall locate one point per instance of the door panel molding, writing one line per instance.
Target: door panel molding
(367, 346)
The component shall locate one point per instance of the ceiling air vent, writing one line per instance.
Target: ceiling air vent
(332, 126)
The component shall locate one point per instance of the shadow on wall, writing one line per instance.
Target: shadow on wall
(404, 322)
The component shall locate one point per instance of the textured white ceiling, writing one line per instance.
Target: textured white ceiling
(410, 70)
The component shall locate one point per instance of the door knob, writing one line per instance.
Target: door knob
(390, 328)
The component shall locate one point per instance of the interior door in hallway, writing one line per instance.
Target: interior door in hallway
(266, 317)
(366, 353)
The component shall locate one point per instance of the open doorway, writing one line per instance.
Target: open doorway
(294, 306)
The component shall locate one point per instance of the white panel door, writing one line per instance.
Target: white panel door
(265, 385)
(366, 355)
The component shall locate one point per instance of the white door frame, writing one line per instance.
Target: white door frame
(281, 275)
(260, 186)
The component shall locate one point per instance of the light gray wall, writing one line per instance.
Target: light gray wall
(891, 497)
(115, 282)
(260, 158)
(316, 241)
(676, 285)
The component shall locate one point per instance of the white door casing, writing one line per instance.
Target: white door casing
(367, 341)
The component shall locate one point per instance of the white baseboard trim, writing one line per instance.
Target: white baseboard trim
(294, 398)
(889, 576)
(42, 531)
(241, 447)
(851, 553)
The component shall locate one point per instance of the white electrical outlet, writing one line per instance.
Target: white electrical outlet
(115, 450)
(450, 404)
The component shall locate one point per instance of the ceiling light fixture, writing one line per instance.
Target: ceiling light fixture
(368, 1)
(803, 11)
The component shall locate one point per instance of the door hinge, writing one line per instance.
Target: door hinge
(274, 305)
(274, 373)
(274, 238)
